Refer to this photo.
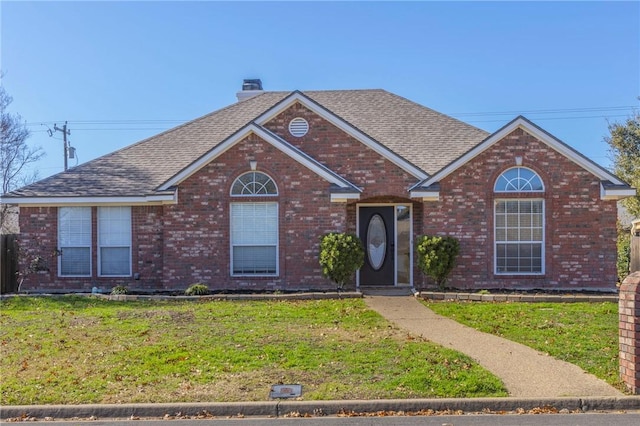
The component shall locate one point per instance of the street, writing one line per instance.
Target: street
(587, 419)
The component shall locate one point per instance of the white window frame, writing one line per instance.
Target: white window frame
(276, 245)
(496, 242)
(519, 181)
(254, 194)
(101, 244)
(87, 212)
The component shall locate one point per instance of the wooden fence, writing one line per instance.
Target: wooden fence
(8, 263)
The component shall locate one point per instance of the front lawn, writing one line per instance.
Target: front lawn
(585, 334)
(75, 350)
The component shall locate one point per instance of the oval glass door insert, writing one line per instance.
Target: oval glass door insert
(376, 242)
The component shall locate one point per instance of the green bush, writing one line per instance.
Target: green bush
(624, 252)
(120, 289)
(437, 256)
(197, 289)
(341, 255)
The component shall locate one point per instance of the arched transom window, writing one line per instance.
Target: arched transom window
(519, 179)
(254, 183)
(519, 223)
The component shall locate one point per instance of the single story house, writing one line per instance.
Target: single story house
(238, 200)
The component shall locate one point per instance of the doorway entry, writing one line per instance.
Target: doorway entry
(385, 231)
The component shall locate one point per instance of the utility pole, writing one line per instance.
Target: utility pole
(65, 133)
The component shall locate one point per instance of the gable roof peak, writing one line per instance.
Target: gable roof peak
(523, 123)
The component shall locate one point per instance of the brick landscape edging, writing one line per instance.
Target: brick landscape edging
(554, 298)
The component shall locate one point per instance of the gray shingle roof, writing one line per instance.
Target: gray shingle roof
(424, 137)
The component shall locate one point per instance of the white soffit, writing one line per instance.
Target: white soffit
(94, 201)
(340, 197)
(426, 195)
(616, 193)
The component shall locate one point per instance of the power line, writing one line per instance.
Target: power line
(550, 111)
(121, 128)
(551, 118)
(76, 122)
(629, 108)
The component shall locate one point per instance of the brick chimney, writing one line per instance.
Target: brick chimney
(250, 88)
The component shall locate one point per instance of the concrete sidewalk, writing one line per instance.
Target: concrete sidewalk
(525, 372)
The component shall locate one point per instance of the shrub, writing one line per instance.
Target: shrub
(120, 289)
(341, 255)
(197, 289)
(624, 252)
(437, 257)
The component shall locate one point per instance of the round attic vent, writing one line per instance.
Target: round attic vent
(298, 127)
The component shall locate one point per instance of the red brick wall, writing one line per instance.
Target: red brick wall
(629, 332)
(38, 238)
(196, 230)
(148, 247)
(580, 249)
(39, 234)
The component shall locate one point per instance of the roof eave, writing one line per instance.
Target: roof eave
(616, 192)
(344, 197)
(168, 197)
(425, 195)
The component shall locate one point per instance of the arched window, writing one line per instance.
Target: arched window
(254, 227)
(519, 179)
(519, 223)
(254, 183)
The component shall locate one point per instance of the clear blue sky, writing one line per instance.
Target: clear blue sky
(122, 71)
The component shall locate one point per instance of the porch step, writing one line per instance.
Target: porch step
(386, 291)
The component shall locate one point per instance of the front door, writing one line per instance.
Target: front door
(377, 232)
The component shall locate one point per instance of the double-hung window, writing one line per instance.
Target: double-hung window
(74, 241)
(519, 223)
(114, 241)
(254, 226)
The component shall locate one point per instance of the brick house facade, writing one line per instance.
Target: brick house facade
(240, 198)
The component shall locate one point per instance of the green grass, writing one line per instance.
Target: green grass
(585, 334)
(87, 350)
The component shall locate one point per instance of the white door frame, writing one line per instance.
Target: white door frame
(395, 239)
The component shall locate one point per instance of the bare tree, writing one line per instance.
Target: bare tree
(15, 154)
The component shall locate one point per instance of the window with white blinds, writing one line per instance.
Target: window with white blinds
(519, 223)
(74, 241)
(254, 238)
(114, 241)
(519, 236)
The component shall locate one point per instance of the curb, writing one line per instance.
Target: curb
(316, 408)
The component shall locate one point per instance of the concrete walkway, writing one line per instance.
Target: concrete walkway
(524, 371)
